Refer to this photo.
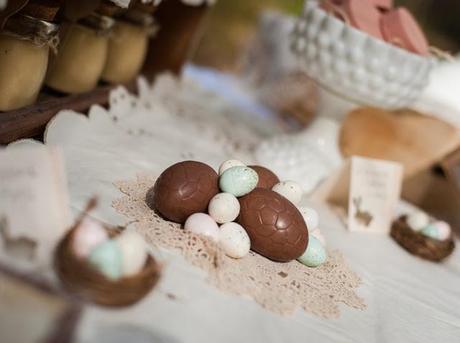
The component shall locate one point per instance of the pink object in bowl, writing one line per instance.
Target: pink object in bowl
(383, 4)
(363, 16)
(400, 28)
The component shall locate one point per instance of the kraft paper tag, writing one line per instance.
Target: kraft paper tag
(34, 203)
(365, 192)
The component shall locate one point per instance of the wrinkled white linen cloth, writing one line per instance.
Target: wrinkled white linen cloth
(409, 300)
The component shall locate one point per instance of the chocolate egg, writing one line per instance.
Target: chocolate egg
(267, 178)
(275, 226)
(182, 190)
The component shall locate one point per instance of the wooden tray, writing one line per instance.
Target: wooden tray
(31, 121)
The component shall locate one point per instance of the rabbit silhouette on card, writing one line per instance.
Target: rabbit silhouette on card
(361, 216)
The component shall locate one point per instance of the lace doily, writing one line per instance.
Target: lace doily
(279, 287)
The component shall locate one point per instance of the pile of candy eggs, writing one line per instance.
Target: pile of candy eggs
(121, 257)
(435, 229)
(237, 180)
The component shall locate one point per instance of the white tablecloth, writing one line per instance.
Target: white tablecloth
(409, 300)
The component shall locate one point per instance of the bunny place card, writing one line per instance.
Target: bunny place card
(367, 190)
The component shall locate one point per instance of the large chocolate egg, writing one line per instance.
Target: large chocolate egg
(275, 226)
(182, 190)
(267, 178)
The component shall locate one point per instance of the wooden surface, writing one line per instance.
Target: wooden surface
(31, 121)
(411, 138)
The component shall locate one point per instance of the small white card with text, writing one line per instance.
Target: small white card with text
(375, 188)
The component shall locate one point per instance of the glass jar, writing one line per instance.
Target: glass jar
(180, 26)
(24, 49)
(128, 46)
(79, 63)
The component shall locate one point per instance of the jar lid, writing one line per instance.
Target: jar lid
(146, 7)
(101, 23)
(138, 17)
(26, 27)
(108, 8)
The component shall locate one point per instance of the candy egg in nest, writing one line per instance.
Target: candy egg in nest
(183, 189)
(275, 226)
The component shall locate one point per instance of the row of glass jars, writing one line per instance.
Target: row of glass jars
(70, 58)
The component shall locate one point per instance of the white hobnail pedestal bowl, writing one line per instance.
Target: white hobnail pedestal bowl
(353, 69)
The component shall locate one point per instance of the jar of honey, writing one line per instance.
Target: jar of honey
(25, 42)
(128, 46)
(82, 54)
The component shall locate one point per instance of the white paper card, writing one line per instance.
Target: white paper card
(375, 188)
(34, 202)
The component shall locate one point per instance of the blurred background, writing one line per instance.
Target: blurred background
(233, 23)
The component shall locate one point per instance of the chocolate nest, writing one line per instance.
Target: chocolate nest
(420, 245)
(87, 283)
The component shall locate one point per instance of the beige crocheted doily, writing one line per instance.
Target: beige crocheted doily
(278, 287)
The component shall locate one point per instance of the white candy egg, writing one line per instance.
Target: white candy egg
(224, 208)
(229, 164)
(234, 240)
(418, 220)
(133, 251)
(291, 190)
(310, 216)
(202, 224)
(318, 235)
(87, 236)
(444, 230)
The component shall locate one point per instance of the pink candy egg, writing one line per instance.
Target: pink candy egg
(444, 230)
(202, 224)
(87, 236)
(400, 28)
(382, 4)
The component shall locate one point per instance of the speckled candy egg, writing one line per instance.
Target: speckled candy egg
(202, 224)
(274, 225)
(318, 235)
(229, 164)
(107, 258)
(87, 236)
(315, 254)
(418, 220)
(290, 190)
(224, 208)
(238, 181)
(438, 230)
(310, 216)
(183, 189)
(234, 239)
(267, 178)
(430, 231)
(133, 251)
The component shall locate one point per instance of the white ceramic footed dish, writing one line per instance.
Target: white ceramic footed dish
(355, 65)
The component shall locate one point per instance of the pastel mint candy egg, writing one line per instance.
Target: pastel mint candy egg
(431, 231)
(229, 164)
(106, 257)
(238, 181)
(315, 255)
